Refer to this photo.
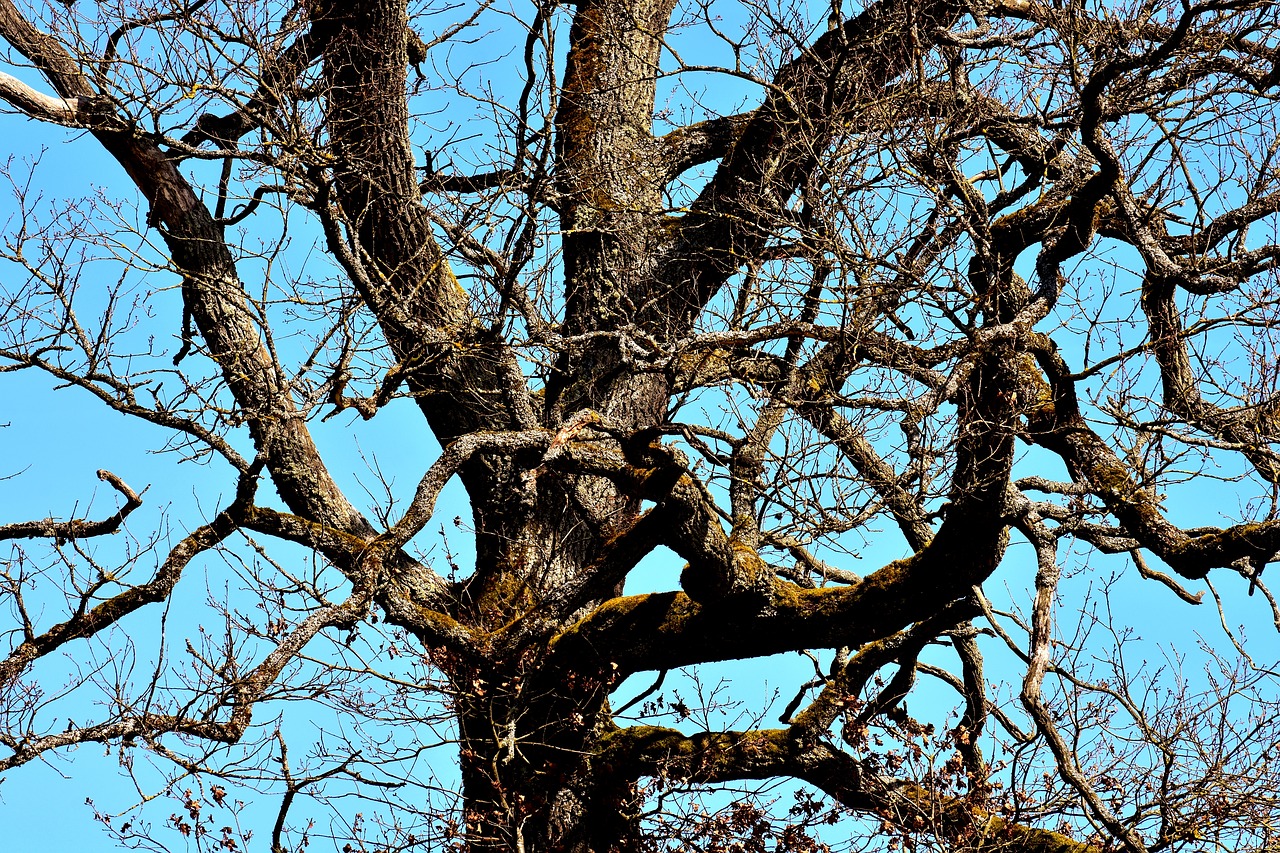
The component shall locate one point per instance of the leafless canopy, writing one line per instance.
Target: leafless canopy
(986, 285)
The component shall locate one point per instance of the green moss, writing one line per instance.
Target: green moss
(1033, 384)
(504, 595)
(1038, 840)
(707, 755)
(613, 611)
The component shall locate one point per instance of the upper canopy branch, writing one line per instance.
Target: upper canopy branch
(216, 301)
(809, 102)
(404, 276)
(277, 75)
(1060, 427)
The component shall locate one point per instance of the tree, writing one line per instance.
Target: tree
(819, 302)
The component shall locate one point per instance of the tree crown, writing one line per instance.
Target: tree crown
(844, 309)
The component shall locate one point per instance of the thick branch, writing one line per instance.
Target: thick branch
(216, 300)
(37, 104)
(701, 143)
(1059, 426)
(712, 757)
(810, 101)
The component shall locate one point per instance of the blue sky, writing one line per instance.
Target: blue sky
(52, 441)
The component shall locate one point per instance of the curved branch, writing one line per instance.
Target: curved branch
(1038, 664)
(242, 695)
(65, 531)
(809, 102)
(225, 130)
(712, 757)
(1058, 425)
(1250, 426)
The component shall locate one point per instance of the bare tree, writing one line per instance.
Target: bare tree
(757, 284)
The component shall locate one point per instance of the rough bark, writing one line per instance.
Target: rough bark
(690, 377)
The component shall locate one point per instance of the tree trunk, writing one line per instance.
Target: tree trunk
(527, 746)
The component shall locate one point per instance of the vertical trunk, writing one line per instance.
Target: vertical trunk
(527, 739)
(610, 178)
(526, 753)
(536, 531)
(527, 735)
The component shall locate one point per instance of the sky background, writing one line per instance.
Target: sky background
(52, 441)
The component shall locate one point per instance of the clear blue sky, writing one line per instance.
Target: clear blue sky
(53, 441)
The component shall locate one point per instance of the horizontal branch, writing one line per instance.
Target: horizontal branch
(690, 146)
(715, 757)
(37, 104)
(669, 629)
(111, 611)
(242, 696)
(65, 531)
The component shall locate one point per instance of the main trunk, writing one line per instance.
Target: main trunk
(528, 734)
(528, 778)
